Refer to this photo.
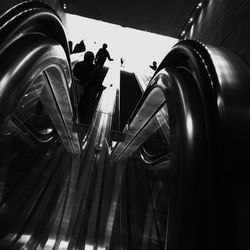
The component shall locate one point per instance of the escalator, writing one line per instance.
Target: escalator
(197, 103)
(169, 173)
(40, 155)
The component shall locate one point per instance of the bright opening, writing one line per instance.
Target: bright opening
(137, 48)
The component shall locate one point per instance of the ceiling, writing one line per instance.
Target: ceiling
(165, 17)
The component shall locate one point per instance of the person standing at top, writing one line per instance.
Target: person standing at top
(154, 65)
(90, 84)
(85, 69)
(101, 56)
(79, 47)
(70, 47)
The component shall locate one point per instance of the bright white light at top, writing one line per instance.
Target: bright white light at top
(136, 47)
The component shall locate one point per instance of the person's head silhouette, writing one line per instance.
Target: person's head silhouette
(105, 46)
(89, 56)
(154, 65)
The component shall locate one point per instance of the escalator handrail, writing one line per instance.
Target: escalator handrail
(26, 20)
(39, 14)
(208, 64)
(36, 17)
(222, 80)
(171, 60)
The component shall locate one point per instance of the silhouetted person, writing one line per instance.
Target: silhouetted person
(84, 70)
(90, 80)
(101, 56)
(122, 61)
(79, 47)
(70, 47)
(154, 65)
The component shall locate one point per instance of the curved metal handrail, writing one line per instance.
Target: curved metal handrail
(33, 46)
(32, 17)
(205, 91)
(222, 79)
(217, 73)
(153, 111)
(31, 26)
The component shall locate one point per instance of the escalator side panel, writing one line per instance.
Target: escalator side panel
(130, 94)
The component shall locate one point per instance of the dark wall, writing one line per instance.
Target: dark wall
(164, 17)
(224, 23)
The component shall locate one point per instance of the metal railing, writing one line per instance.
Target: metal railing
(30, 49)
(203, 92)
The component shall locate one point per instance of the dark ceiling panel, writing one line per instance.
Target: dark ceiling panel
(166, 17)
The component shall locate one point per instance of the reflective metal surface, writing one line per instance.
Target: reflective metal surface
(151, 104)
(97, 188)
(206, 94)
(57, 192)
(24, 28)
(142, 211)
(39, 153)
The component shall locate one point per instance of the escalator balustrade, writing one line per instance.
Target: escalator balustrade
(191, 127)
(203, 92)
(39, 152)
